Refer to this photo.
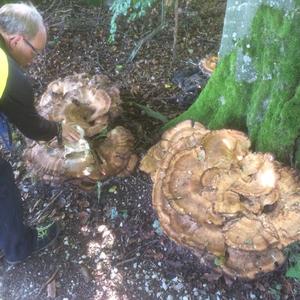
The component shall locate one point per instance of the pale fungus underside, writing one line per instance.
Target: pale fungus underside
(213, 195)
(88, 104)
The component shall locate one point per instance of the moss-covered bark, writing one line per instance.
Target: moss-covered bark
(267, 106)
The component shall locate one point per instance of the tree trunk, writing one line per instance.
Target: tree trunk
(255, 87)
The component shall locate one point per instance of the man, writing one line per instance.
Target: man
(22, 36)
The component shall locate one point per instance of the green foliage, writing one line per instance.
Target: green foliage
(276, 291)
(135, 8)
(293, 253)
(151, 113)
(268, 108)
(219, 261)
(294, 271)
(101, 135)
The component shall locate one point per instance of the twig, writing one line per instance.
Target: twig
(120, 263)
(48, 281)
(52, 200)
(143, 41)
(139, 247)
(150, 35)
(99, 190)
(57, 24)
(175, 29)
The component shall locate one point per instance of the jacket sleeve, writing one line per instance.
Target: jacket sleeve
(17, 103)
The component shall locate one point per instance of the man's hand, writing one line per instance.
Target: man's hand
(69, 133)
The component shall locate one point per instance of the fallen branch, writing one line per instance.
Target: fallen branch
(98, 190)
(175, 29)
(139, 247)
(123, 262)
(39, 215)
(44, 285)
(150, 35)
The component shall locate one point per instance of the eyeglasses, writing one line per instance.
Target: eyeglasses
(35, 51)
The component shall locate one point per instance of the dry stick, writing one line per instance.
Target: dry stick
(150, 35)
(138, 248)
(143, 41)
(123, 262)
(98, 190)
(48, 281)
(52, 200)
(57, 24)
(175, 29)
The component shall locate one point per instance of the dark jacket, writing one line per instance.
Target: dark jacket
(17, 103)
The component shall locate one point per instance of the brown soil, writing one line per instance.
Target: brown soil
(111, 246)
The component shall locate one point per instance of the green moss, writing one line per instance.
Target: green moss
(216, 106)
(276, 41)
(268, 109)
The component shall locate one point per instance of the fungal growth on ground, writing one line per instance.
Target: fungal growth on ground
(89, 104)
(208, 64)
(226, 203)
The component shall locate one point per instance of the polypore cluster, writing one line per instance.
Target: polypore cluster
(208, 64)
(213, 195)
(89, 104)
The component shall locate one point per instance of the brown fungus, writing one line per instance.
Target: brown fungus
(215, 196)
(89, 104)
(208, 64)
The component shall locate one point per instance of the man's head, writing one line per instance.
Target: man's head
(23, 30)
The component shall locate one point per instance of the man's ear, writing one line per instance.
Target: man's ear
(14, 40)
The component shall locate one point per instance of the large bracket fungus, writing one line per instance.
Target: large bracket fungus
(213, 195)
(89, 104)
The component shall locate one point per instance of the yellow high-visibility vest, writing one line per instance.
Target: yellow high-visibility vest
(3, 71)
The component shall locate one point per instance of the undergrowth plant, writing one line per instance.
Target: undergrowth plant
(293, 253)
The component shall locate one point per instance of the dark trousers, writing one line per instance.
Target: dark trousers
(16, 239)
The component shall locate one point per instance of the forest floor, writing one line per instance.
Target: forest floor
(111, 246)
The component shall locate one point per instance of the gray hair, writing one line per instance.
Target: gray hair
(20, 18)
